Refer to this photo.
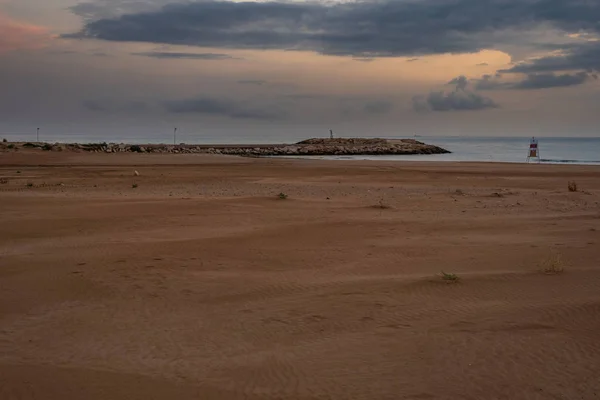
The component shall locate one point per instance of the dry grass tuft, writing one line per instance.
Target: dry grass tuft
(553, 265)
(450, 278)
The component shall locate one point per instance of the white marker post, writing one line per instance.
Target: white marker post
(534, 150)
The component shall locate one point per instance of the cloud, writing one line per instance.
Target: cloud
(378, 107)
(491, 82)
(222, 107)
(530, 81)
(257, 82)
(73, 52)
(15, 35)
(364, 59)
(460, 99)
(189, 56)
(385, 28)
(62, 52)
(412, 59)
(98, 9)
(461, 82)
(544, 81)
(107, 105)
(453, 101)
(94, 105)
(580, 56)
(307, 96)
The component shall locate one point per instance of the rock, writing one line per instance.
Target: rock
(135, 173)
(338, 146)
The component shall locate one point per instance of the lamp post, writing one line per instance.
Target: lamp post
(38, 135)
(174, 136)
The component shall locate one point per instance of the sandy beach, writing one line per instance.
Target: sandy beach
(194, 280)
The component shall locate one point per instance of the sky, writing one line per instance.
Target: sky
(132, 70)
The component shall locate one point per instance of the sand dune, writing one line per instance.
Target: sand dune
(201, 283)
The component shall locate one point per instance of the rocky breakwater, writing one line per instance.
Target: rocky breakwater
(358, 146)
(310, 147)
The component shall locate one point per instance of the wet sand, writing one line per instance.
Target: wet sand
(200, 283)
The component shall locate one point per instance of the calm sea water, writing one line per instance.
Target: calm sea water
(502, 149)
(571, 150)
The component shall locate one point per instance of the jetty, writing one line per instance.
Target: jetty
(310, 147)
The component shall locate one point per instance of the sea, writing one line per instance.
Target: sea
(513, 149)
(554, 150)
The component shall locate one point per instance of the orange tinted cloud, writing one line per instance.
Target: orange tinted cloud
(15, 35)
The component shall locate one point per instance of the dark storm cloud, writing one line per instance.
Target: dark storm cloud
(222, 107)
(97, 9)
(530, 81)
(584, 56)
(378, 107)
(460, 99)
(189, 56)
(365, 29)
(544, 81)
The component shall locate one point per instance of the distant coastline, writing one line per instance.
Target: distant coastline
(310, 147)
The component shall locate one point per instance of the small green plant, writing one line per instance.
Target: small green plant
(449, 277)
(572, 186)
(3, 181)
(134, 186)
(553, 265)
(11, 146)
(29, 184)
(4, 140)
(135, 148)
(47, 147)
(282, 196)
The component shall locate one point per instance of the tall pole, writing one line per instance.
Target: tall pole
(38, 135)
(174, 135)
